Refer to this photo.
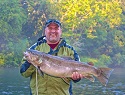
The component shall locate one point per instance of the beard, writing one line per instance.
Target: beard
(53, 38)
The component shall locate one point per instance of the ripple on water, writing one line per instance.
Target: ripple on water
(6, 93)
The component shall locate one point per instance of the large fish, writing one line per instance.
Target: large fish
(63, 67)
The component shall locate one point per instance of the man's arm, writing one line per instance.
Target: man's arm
(26, 69)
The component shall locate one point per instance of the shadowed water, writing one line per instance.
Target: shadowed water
(12, 83)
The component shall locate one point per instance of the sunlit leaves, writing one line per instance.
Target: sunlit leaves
(75, 14)
(2, 59)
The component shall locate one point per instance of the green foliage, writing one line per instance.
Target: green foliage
(88, 14)
(88, 59)
(96, 28)
(104, 60)
(38, 12)
(15, 53)
(119, 59)
(2, 59)
(119, 38)
(12, 18)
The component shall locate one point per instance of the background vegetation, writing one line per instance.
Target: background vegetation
(96, 28)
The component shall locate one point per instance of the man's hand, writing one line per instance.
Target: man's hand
(77, 76)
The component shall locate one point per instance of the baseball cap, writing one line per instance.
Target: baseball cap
(52, 21)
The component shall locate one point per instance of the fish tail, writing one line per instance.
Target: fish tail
(104, 74)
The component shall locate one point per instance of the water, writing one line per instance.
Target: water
(12, 83)
(116, 85)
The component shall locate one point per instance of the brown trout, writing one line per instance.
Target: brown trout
(63, 67)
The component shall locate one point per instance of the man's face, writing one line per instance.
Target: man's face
(53, 33)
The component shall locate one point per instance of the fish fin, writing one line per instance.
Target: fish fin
(104, 75)
(39, 71)
(91, 78)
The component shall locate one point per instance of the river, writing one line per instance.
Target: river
(12, 83)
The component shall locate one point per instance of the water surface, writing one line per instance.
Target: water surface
(115, 86)
(12, 83)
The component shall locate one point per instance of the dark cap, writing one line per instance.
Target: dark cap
(52, 21)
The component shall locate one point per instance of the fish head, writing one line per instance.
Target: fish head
(30, 57)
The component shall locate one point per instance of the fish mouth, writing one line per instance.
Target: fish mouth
(26, 54)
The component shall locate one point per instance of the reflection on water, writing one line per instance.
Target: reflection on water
(12, 83)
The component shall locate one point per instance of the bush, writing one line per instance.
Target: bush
(103, 60)
(119, 60)
(2, 59)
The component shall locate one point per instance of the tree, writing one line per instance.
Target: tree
(12, 18)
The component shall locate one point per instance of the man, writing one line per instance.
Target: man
(53, 44)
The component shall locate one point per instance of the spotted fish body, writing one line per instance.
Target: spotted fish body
(63, 67)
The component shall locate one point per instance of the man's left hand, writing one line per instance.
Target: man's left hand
(77, 76)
